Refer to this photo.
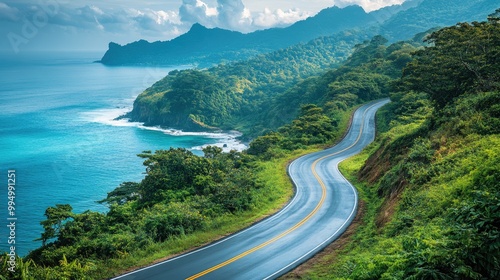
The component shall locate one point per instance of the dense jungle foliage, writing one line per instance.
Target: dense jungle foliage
(221, 96)
(431, 180)
(186, 195)
(267, 92)
(208, 47)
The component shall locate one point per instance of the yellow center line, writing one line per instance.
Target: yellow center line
(299, 224)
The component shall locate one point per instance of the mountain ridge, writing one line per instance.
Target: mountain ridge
(430, 183)
(214, 45)
(205, 47)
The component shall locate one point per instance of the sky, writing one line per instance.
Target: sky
(77, 25)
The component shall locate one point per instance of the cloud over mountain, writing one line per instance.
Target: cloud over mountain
(228, 14)
(368, 5)
(234, 15)
(8, 13)
(97, 22)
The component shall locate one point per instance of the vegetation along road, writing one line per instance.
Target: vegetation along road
(324, 205)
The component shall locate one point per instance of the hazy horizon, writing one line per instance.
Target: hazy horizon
(75, 26)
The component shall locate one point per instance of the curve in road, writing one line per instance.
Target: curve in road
(324, 205)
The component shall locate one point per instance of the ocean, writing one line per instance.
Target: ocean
(59, 137)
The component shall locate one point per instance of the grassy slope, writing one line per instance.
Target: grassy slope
(418, 229)
(277, 183)
(319, 267)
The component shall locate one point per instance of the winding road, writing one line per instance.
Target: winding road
(324, 205)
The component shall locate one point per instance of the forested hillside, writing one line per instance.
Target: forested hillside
(186, 200)
(256, 95)
(434, 13)
(266, 92)
(217, 97)
(431, 182)
(429, 185)
(364, 76)
(206, 47)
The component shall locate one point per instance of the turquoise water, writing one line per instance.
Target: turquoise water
(58, 134)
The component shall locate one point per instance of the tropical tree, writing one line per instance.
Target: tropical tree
(464, 58)
(56, 217)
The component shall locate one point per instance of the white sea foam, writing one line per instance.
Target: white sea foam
(108, 117)
(226, 140)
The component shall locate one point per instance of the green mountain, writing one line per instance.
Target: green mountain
(430, 184)
(221, 97)
(205, 47)
(435, 13)
(184, 196)
(266, 92)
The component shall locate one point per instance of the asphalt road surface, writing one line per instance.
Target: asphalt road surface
(324, 205)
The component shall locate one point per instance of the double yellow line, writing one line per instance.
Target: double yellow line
(299, 224)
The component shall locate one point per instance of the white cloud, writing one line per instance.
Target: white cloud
(234, 15)
(126, 20)
(163, 17)
(196, 11)
(166, 24)
(368, 5)
(99, 25)
(96, 10)
(268, 18)
(153, 22)
(8, 13)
